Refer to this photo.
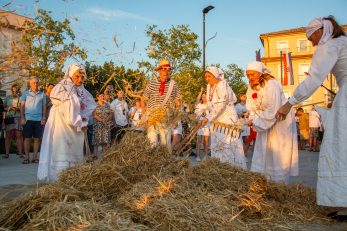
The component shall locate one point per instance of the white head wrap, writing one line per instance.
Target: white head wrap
(257, 66)
(215, 71)
(72, 69)
(319, 23)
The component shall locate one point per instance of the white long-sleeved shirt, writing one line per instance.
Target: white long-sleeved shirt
(121, 111)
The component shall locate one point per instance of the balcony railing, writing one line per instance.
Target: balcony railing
(297, 50)
(284, 50)
(304, 49)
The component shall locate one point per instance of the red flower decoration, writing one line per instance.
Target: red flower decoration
(83, 106)
(254, 95)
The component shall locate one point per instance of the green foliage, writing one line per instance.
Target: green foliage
(179, 46)
(98, 77)
(48, 43)
(234, 74)
(190, 83)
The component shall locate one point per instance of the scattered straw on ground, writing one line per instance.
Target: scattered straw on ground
(139, 187)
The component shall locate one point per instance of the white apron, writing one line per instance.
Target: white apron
(226, 148)
(276, 150)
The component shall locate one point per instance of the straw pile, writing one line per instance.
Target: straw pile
(161, 116)
(139, 187)
(216, 196)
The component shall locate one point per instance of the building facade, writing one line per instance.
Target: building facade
(295, 41)
(11, 28)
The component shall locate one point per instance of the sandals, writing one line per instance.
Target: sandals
(35, 161)
(5, 156)
(26, 161)
(20, 155)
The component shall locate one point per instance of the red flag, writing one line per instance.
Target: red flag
(285, 67)
(289, 68)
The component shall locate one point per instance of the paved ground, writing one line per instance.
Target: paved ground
(17, 178)
(22, 177)
(13, 172)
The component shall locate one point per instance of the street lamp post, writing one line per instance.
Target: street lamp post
(204, 11)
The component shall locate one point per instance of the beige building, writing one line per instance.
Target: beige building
(11, 27)
(295, 41)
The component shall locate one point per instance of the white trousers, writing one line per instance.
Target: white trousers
(159, 135)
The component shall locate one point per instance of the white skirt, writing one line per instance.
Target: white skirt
(246, 131)
(228, 149)
(178, 130)
(205, 131)
(332, 171)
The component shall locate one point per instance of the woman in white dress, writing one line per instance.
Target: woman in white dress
(63, 138)
(276, 148)
(330, 56)
(226, 144)
(242, 112)
(203, 135)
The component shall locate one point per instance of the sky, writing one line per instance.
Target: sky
(238, 24)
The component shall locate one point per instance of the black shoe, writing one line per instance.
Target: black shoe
(337, 217)
(332, 214)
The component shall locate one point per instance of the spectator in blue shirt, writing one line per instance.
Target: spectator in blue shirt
(33, 118)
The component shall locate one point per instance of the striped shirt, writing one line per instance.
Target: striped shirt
(155, 99)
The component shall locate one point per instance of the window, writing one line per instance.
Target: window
(303, 67)
(303, 45)
(282, 46)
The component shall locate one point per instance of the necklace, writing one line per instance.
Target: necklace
(210, 97)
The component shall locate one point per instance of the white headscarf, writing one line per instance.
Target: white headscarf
(215, 71)
(319, 23)
(72, 69)
(257, 66)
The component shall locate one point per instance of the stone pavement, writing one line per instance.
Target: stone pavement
(17, 178)
(12, 171)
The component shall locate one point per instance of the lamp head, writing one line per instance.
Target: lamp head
(207, 9)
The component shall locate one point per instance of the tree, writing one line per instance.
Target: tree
(190, 83)
(179, 46)
(48, 44)
(99, 77)
(233, 75)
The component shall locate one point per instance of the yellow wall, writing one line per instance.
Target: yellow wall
(271, 59)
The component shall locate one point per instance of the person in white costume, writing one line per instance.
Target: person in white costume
(330, 56)
(203, 134)
(225, 144)
(314, 126)
(63, 138)
(242, 112)
(276, 147)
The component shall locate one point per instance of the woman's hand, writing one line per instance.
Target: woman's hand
(283, 111)
(203, 122)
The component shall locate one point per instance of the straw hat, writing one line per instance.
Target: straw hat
(163, 64)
